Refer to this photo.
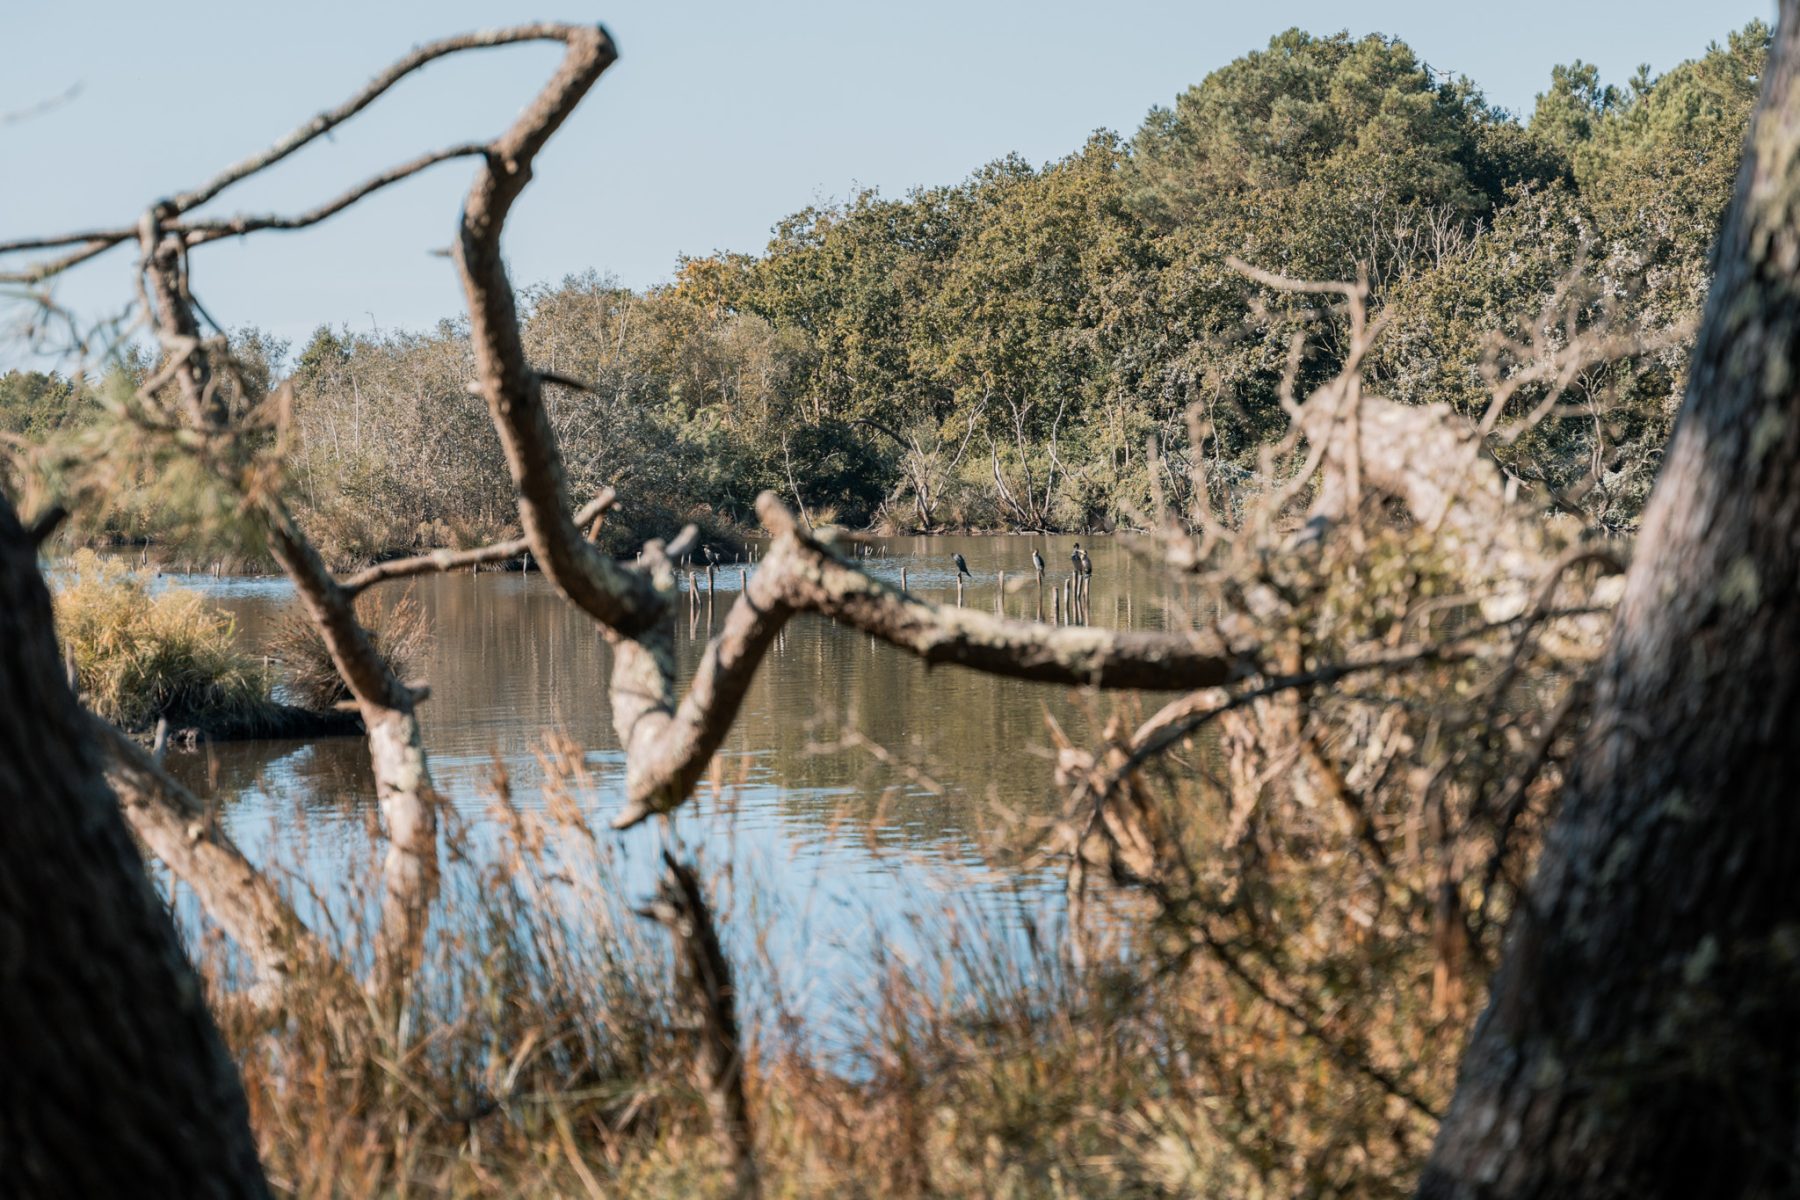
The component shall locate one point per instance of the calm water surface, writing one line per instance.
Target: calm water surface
(829, 844)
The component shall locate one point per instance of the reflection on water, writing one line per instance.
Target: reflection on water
(857, 781)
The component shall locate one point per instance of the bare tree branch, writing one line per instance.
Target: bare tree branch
(68, 239)
(668, 748)
(178, 829)
(331, 118)
(198, 233)
(56, 266)
(618, 598)
(452, 560)
(95, 242)
(48, 104)
(705, 989)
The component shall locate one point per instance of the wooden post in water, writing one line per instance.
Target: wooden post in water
(1056, 606)
(743, 580)
(958, 586)
(709, 579)
(903, 579)
(1000, 594)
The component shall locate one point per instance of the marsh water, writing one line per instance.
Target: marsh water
(857, 797)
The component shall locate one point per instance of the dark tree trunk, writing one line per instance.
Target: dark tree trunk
(113, 1080)
(1644, 1034)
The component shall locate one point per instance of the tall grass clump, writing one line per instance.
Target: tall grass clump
(400, 631)
(543, 1048)
(141, 654)
(533, 1052)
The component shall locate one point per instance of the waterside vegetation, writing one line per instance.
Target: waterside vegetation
(1034, 347)
(1337, 337)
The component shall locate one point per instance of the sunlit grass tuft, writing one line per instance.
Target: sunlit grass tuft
(140, 655)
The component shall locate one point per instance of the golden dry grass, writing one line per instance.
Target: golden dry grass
(399, 629)
(141, 653)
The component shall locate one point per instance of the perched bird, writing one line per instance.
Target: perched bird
(710, 555)
(961, 566)
(1087, 564)
(1075, 558)
(1037, 560)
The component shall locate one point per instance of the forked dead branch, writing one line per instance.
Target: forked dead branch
(669, 744)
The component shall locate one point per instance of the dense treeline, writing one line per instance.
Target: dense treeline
(1033, 348)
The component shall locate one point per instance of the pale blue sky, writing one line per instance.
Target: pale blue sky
(719, 118)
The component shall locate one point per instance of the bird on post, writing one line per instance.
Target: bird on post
(1086, 563)
(710, 555)
(962, 568)
(1037, 560)
(1075, 558)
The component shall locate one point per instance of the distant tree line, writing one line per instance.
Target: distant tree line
(1031, 348)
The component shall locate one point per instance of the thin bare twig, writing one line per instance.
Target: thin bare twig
(451, 560)
(198, 233)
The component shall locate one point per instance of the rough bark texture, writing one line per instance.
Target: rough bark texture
(1643, 1038)
(621, 599)
(113, 1080)
(396, 750)
(176, 828)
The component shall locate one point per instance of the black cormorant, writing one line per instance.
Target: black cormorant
(1075, 558)
(961, 566)
(1037, 560)
(1087, 564)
